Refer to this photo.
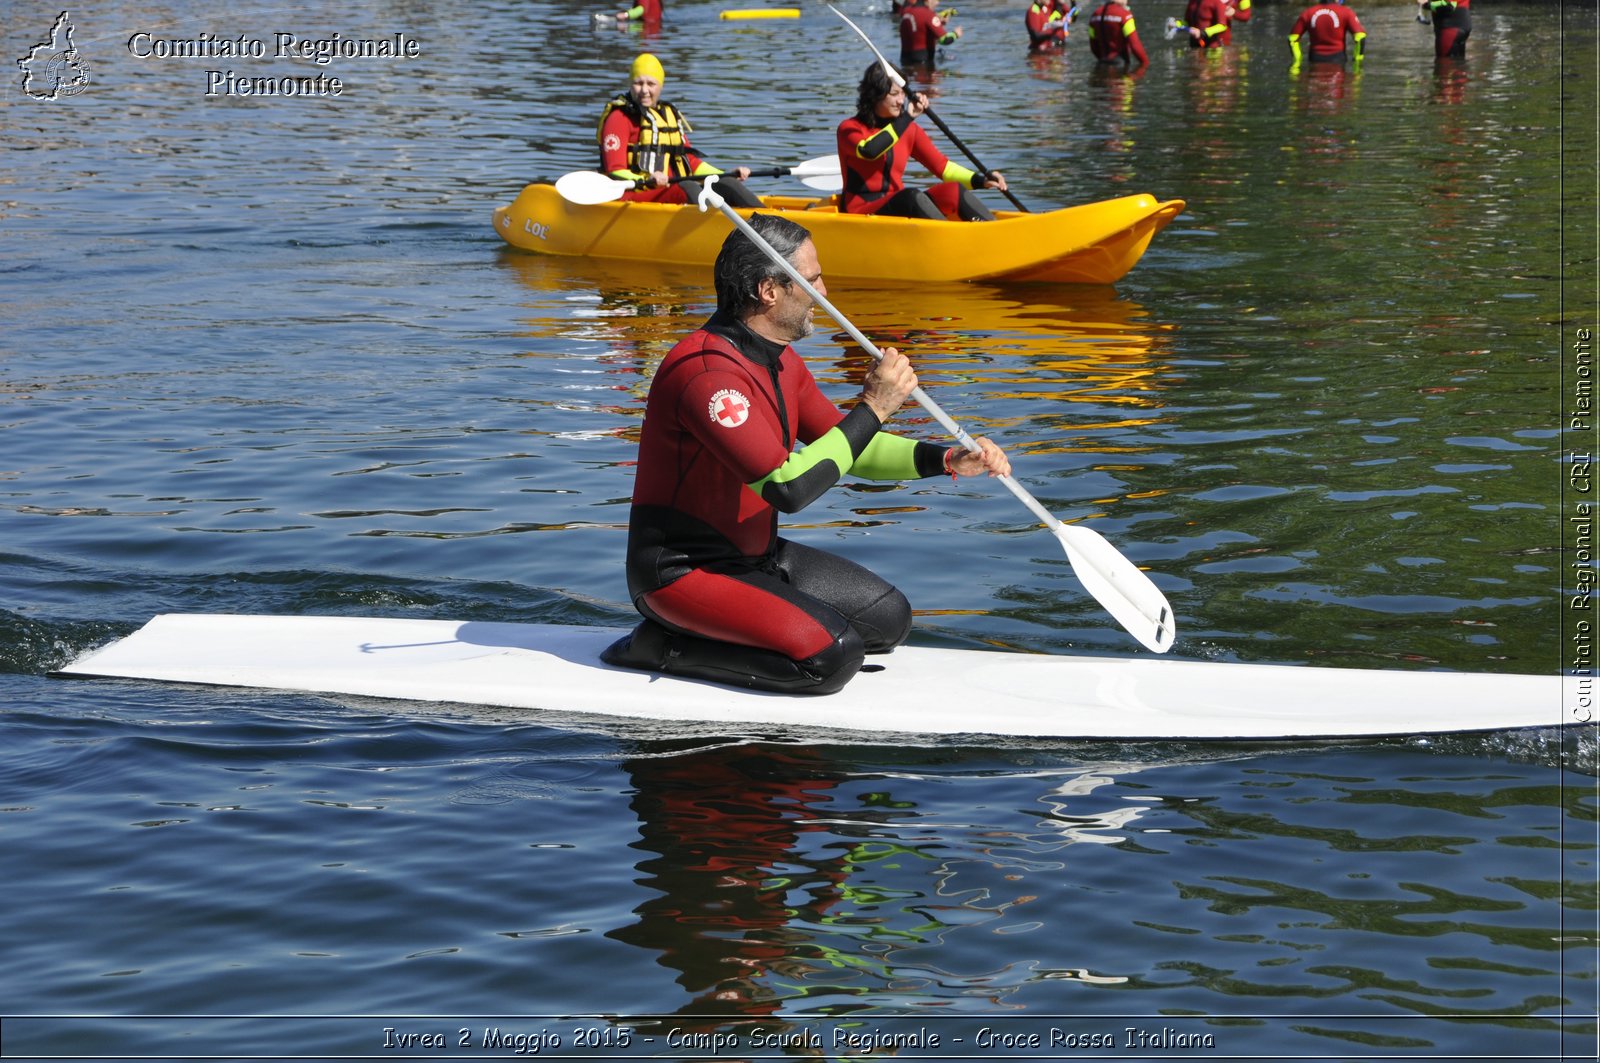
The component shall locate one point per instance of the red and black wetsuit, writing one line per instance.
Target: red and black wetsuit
(1452, 25)
(1211, 18)
(635, 142)
(719, 459)
(922, 31)
(646, 11)
(1047, 26)
(1327, 24)
(873, 160)
(1113, 37)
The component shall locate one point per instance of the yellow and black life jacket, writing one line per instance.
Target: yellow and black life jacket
(662, 142)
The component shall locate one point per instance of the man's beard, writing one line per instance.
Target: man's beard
(800, 326)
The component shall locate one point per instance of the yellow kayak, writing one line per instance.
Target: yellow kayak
(1096, 243)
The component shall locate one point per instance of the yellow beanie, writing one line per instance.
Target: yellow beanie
(648, 66)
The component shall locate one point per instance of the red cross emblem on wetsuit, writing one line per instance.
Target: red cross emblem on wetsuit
(729, 408)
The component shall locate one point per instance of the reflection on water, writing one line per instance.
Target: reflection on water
(784, 883)
(1017, 345)
(789, 893)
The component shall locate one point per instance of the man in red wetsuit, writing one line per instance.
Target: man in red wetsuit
(1113, 37)
(1327, 24)
(876, 144)
(735, 432)
(922, 33)
(1452, 25)
(1208, 22)
(645, 140)
(1048, 22)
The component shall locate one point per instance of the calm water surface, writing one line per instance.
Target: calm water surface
(268, 356)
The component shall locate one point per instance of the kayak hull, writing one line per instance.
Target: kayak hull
(1096, 243)
(914, 691)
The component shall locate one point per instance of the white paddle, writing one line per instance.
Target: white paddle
(587, 188)
(826, 182)
(1130, 596)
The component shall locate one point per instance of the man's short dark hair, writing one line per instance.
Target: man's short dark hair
(742, 266)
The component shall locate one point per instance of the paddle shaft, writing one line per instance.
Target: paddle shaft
(982, 169)
(772, 171)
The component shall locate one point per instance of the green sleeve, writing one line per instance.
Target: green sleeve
(810, 471)
(892, 457)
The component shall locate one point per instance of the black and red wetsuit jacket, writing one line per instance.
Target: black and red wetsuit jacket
(636, 141)
(1047, 26)
(873, 160)
(647, 11)
(1113, 37)
(1211, 18)
(922, 31)
(1327, 24)
(720, 454)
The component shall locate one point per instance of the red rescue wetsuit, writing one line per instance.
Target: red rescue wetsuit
(922, 31)
(1047, 26)
(718, 461)
(1452, 25)
(646, 11)
(631, 146)
(1327, 24)
(1113, 37)
(1211, 18)
(873, 160)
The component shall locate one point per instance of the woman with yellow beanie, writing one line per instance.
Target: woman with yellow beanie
(645, 140)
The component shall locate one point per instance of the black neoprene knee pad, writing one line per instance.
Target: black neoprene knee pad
(653, 648)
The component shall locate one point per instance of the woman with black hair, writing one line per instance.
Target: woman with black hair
(876, 144)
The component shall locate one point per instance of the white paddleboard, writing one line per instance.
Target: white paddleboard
(915, 690)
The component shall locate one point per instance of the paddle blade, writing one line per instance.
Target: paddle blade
(587, 188)
(1129, 595)
(828, 182)
(821, 166)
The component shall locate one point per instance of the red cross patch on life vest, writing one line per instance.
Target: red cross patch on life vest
(729, 408)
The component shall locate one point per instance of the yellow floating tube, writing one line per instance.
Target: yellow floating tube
(762, 12)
